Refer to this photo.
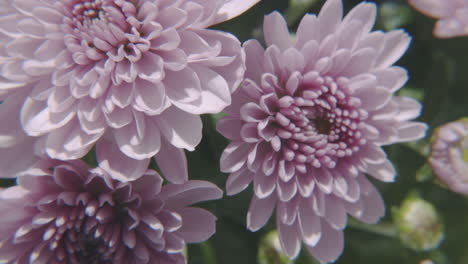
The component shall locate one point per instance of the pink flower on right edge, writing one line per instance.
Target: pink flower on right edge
(309, 123)
(452, 15)
(449, 155)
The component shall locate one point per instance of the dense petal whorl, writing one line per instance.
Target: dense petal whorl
(452, 15)
(64, 212)
(137, 72)
(309, 121)
(449, 155)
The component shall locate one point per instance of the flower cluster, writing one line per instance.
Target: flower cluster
(127, 80)
(309, 122)
(64, 212)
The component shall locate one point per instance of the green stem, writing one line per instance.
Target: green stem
(382, 229)
(208, 253)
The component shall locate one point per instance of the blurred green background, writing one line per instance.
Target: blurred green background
(438, 78)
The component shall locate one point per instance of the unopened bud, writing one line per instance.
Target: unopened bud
(419, 226)
(270, 252)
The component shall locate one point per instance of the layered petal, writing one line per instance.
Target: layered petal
(233, 8)
(116, 221)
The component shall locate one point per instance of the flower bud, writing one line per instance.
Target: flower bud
(418, 224)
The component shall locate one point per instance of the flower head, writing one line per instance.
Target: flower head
(309, 121)
(136, 73)
(449, 155)
(64, 212)
(452, 15)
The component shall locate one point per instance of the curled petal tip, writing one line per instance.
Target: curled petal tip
(232, 9)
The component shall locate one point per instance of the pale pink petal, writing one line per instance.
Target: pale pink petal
(182, 86)
(330, 16)
(288, 211)
(330, 245)
(69, 142)
(373, 98)
(365, 13)
(181, 129)
(305, 184)
(286, 190)
(264, 185)
(260, 211)
(140, 139)
(233, 8)
(309, 224)
(289, 239)
(307, 30)
(215, 93)
(230, 62)
(172, 162)
(408, 108)
(14, 192)
(411, 131)
(373, 207)
(384, 172)
(396, 43)
(9, 165)
(150, 97)
(335, 213)
(276, 31)
(191, 230)
(181, 195)
(118, 165)
(36, 118)
(234, 157)
(229, 127)
(254, 60)
(238, 181)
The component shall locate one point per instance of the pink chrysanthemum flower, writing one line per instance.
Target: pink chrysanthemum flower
(309, 121)
(64, 212)
(449, 155)
(136, 73)
(452, 15)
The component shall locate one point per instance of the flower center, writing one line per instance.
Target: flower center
(102, 29)
(85, 233)
(88, 10)
(91, 250)
(320, 123)
(322, 126)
